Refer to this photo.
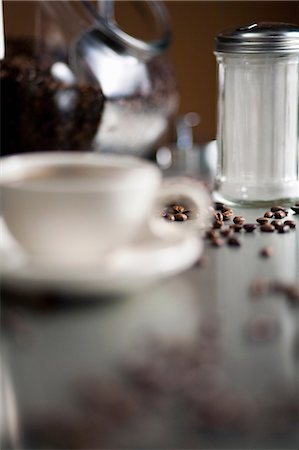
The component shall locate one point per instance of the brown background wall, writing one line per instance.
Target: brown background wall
(195, 25)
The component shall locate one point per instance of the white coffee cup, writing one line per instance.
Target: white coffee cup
(73, 207)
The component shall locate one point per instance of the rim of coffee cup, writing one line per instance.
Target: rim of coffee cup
(134, 172)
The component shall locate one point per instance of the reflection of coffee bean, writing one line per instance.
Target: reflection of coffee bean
(283, 229)
(266, 252)
(276, 223)
(234, 242)
(226, 232)
(217, 242)
(267, 228)
(249, 227)
(236, 227)
(290, 223)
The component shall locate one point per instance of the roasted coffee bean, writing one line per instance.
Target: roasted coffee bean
(227, 215)
(218, 206)
(236, 227)
(297, 203)
(266, 252)
(268, 214)
(233, 242)
(227, 209)
(283, 229)
(290, 223)
(219, 216)
(178, 208)
(295, 208)
(249, 227)
(169, 217)
(277, 208)
(279, 215)
(239, 220)
(217, 224)
(217, 242)
(262, 220)
(180, 217)
(276, 223)
(267, 228)
(227, 232)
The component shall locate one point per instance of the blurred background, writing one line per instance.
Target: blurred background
(195, 25)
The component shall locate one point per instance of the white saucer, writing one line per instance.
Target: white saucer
(126, 270)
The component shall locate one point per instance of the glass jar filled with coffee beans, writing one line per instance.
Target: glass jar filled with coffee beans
(82, 83)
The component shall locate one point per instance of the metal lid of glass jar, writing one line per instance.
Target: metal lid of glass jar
(264, 37)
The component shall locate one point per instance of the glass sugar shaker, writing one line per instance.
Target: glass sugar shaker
(258, 114)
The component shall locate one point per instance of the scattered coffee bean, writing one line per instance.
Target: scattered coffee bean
(267, 228)
(169, 217)
(295, 208)
(279, 215)
(249, 227)
(283, 229)
(268, 214)
(266, 252)
(233, 242)
(217, 242)
(226, 232)
(236, 227)
(178, 208)
(218, 206)
(262, 220)
(227, 215)
(239, 220)
(277, 208)
(180, 217)
(276, 223)
(219, 216)
(217, 224)
(290, 223)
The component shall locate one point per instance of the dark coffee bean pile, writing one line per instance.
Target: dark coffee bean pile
(42, 113)
(218, 234)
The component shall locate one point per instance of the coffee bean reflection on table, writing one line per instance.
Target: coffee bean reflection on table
(153, 382)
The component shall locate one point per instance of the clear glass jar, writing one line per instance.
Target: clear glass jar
(82, 83)
(258, 114)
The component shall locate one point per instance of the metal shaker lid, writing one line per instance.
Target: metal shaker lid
(263, 37)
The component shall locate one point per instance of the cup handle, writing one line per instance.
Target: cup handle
(188, 192)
